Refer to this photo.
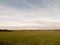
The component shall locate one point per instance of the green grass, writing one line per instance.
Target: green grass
(30, 38)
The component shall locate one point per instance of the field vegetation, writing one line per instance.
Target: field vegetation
(25, 37)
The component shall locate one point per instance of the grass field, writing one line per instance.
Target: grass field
(30, 38)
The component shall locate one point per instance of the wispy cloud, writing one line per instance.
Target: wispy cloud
(36, 13)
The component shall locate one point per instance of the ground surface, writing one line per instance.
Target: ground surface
(30, 38)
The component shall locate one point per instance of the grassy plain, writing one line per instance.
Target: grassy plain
(30, 38)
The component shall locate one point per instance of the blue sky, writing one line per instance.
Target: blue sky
(30, 13)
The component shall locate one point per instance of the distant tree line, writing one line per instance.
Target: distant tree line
(5, 30)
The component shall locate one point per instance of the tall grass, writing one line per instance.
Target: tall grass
(30, 38)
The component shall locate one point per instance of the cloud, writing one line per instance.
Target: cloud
(47, 14)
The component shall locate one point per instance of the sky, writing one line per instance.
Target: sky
(30, 14)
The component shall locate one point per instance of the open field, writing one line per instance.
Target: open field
(30, 38)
